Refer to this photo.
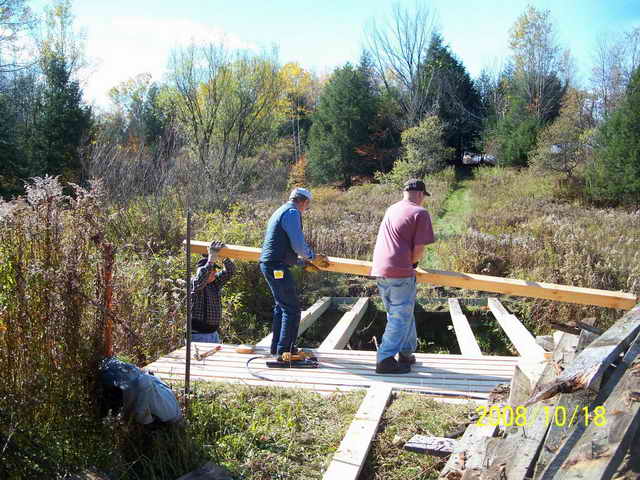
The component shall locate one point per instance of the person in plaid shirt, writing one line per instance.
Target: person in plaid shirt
(206, 284)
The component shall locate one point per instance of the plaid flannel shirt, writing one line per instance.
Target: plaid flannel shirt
(206, 306)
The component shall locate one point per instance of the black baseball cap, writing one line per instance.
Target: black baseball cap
(414, 184)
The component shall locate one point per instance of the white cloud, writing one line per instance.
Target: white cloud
(126, 46)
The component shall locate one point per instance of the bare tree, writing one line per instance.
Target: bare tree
(15, 18)
(399, 53)
(226, 104)
(541, 68)
(615, 59)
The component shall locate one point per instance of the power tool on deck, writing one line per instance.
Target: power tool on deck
(298, 359)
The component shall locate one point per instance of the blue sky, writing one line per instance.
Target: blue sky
(128, 37)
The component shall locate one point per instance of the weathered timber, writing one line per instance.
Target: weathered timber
(560, 293)
(436, 446)
(306, 319)
(469, 452)
(594, 451)
(352, 452)
(585, 339)
(515, 455)
(586, 371)
(568, 403)
(575, 327)
(517, 333)
(525, 378)
(546, 342)
(464, 334)
(341, 333)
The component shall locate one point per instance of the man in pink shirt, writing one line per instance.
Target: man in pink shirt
(404, 231)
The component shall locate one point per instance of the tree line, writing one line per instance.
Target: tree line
(224, 122)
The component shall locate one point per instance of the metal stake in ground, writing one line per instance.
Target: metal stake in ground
(187, 370)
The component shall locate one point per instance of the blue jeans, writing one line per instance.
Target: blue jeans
(399, 298)
(206, 337)
(286, 311)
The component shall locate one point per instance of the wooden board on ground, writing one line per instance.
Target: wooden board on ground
(521, 338)
(307, 318)
(436, 446)
(352, 452)
(464, 334)
(341, 333)
(560, 293)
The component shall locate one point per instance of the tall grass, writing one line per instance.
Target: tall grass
(523, 227)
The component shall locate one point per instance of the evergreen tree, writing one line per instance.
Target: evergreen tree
(614, 176)
(341, 124)
(453, 96)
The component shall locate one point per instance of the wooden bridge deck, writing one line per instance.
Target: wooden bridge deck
(440, 375)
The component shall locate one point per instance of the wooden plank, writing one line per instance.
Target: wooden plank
(586, 371)
(352, 452)
(521, 338)
(469, 281)
(436, 446)
(595, 452)
(464, 334)
(516, 454)
(341, 333)
(307, 318)
(525, 378)
(468, 454)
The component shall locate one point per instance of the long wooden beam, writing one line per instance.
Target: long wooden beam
(341, 333)
(464, 334)
(349, 459)
(469, 281)
(518, 334)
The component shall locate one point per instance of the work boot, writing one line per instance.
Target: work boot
(408, 358)
(390, 365)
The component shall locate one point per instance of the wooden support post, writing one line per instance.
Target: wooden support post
(350, 457)
(469, 281)
(341, 333)
(517, 333)
(464, 334)
(306, 320)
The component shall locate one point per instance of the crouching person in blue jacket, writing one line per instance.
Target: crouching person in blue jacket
(206, 287)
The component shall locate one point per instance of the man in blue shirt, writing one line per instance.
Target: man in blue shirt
(283, 247)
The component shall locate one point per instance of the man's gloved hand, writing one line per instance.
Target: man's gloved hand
(310, 267)
(321, 261)
(214, 250)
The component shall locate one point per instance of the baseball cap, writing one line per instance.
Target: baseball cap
(299, 191)
(414, 184)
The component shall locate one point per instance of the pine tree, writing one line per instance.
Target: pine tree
(341, 123)
(614, 176)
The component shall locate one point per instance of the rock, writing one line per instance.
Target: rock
(209, 471)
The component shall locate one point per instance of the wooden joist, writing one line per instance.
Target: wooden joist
(349, 459)
(586, 371)
(306, 319)
(464, 334)
(524, 342)
(341, 333)
(560, 293)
